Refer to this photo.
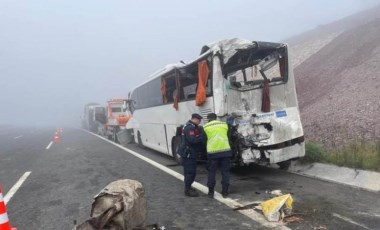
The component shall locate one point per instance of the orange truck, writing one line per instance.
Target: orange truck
(117, 117)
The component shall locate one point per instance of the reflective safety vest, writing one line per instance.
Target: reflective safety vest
(217, 138)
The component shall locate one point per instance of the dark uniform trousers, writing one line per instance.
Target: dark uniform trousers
(194, 138)
(224, 164)
(189, 171)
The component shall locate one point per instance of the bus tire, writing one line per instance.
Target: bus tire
(176, 143)
(139, 141)
(284, 165)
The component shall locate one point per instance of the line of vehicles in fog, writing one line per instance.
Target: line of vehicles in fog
(248, 84)
(106, 121)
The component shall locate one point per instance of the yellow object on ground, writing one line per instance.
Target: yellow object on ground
(271, 208)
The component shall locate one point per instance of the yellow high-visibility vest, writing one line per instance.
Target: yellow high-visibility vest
(217, 138)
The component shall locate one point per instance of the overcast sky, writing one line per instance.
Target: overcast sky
(55, 56)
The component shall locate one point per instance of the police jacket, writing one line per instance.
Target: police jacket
(217, 139)
(193, 140)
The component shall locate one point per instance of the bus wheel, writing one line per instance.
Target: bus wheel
(284, 165)
(139, 141)
(175, 146)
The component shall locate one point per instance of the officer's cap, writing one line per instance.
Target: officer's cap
(196, 115)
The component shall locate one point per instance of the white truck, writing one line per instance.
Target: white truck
(116, 118)
(93, 117)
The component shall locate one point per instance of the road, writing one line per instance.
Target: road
(66, 176)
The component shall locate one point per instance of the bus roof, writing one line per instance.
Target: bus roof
(170, 67)
(228, 47)
(160, 72)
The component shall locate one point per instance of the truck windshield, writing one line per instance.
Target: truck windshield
(99, 110)
(247, 71)
(116, 110)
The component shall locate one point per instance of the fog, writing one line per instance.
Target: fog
(56, 56)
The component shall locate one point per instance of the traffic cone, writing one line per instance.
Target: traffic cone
(55, 140)
(4, 221)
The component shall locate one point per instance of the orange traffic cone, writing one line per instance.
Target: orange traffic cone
(4, 221)
(55, 140)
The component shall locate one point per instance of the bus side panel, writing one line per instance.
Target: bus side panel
(151, 123)
(291, 152)
(291, 91)
(153, 136)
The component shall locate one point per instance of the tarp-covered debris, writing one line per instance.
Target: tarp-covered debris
(121, 205)
(276, 208)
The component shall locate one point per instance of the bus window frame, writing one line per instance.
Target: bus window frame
(170, 97)
(257, 84)
(176, 73)
(208, 58)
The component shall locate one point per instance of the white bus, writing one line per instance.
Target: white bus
(248, 84)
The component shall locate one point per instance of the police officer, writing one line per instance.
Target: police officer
(218, 153)
(193, 141)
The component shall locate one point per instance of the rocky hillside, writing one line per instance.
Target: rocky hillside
(338, 80)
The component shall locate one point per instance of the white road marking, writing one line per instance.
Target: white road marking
(350, 221)
(369, 214)
(15, 187)
(18, 137)
(48, 147)
(227, 201)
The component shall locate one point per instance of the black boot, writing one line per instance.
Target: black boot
(210, 193)
(191, 193)
(225, 192)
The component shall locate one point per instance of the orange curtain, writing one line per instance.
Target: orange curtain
(265, 104)
(203, 72)
(176, 96)
(163, 91)
(175, 105)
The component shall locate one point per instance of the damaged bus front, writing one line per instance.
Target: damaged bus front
(254, 92)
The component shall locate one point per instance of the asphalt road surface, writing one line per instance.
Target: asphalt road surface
(65, 176)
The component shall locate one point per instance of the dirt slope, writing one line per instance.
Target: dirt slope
(304, 45)
(339, 87)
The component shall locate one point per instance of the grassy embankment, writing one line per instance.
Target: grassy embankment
(359, 155)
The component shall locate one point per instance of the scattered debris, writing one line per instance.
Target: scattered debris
(277, 208)
(274, 192)
(249, 206)
(320, 227)
(292, 219)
